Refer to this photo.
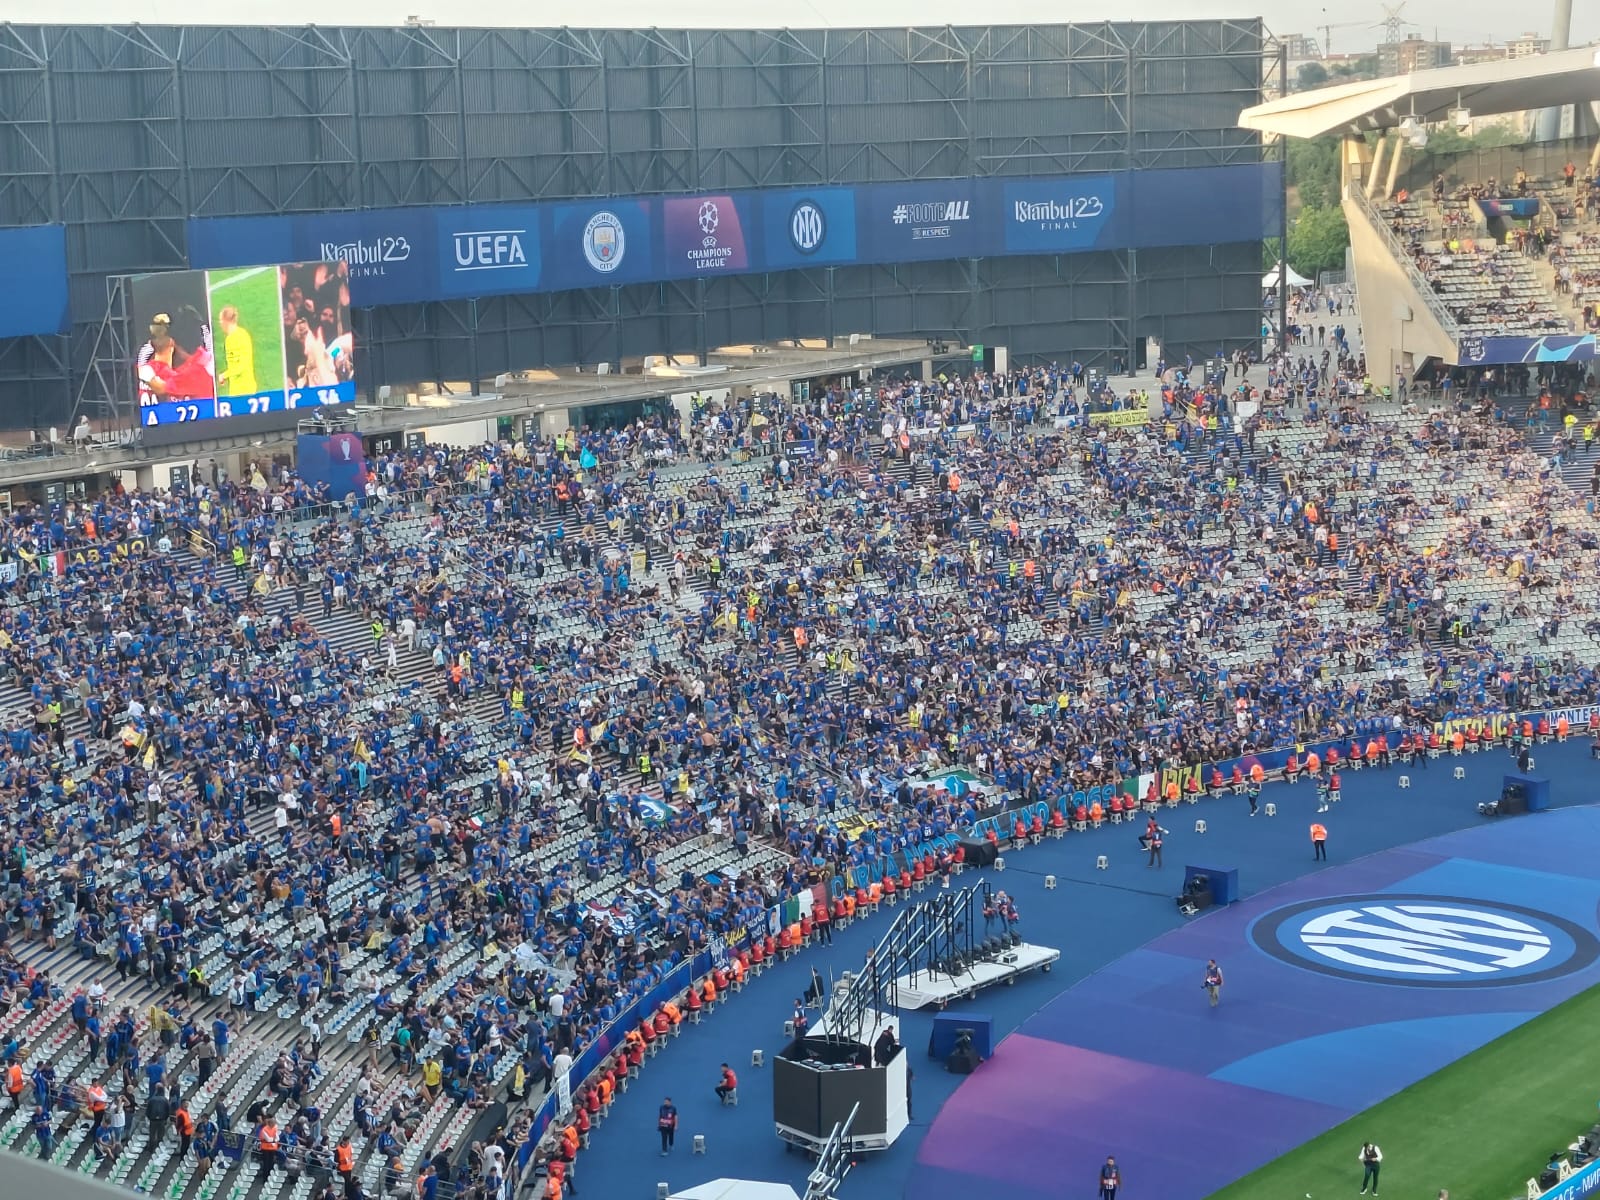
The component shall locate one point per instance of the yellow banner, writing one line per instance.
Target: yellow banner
(1496, 726)
(1123, 419)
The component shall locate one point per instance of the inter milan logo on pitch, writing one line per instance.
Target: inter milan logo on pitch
(1427, 941)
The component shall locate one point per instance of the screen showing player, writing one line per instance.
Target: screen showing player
(243, 341)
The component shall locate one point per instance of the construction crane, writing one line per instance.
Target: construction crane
(1327, 28)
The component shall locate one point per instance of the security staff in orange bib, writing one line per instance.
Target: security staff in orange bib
(267, 1142)
(1319, 842)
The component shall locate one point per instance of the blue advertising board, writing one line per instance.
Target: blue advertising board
(411, 255)
(336, 459)
(916, 222)
(1583, 1182)
(1202, 206)
(810, 227)
(1544, 348)
(1078, 212)
(601, 243)
(33, 280)
(488, 249)
(1519, 207)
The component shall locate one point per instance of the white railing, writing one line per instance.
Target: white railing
(1419, 282)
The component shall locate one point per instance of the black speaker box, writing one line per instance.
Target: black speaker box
(962, 1062)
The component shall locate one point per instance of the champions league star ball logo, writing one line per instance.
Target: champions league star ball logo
(1425, 941)
(710, 218)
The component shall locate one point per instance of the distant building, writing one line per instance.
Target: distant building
(1412, 54)
(1301, 47)
(1527, 46)
(1466, 56)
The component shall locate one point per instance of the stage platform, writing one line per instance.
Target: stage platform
(927, 988)
(1341, 988)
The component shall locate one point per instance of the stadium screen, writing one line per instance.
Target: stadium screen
(242, 341)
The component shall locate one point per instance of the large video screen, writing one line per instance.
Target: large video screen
(242, 341)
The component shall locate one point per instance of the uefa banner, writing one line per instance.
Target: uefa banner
(415, 255)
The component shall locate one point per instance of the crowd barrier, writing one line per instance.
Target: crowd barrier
(1271, 761)
(672, 985)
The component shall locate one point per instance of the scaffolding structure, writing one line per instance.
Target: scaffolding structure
(936, 935)
(122, 133)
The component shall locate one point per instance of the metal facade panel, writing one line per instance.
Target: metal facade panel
(124, 131)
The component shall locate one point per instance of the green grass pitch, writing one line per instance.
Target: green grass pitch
(1481, 1127)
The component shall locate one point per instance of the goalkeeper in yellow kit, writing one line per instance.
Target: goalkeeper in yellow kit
(238, 377)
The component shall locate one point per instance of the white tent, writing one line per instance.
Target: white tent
(1270, 279)
(737, 1189)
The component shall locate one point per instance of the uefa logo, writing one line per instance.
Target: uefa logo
(603, 242)
(710, 218)
(1425, 941)
(808, 228)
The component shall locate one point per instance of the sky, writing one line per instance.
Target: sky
(1355, 21)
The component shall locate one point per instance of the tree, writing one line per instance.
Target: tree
(1365, 67)
(1310, 75)
(1269, 254)
(1318, 240)
(1313, 168)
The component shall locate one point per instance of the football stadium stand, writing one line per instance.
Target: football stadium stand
(336, 828)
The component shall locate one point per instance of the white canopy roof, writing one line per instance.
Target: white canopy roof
(1270, 279)
(1484, 89)
(737, 1189)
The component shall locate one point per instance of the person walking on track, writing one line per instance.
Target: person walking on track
(1319, 841)
(1153, 845)
(1213, 981)
(1110, 1178)
(1371, 1160)
(667, 1124)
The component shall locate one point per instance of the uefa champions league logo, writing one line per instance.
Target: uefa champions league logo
(710, 218)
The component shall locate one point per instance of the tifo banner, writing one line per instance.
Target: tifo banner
(411, 255)
(1550, 348)
(1522, 207)
(33, 281)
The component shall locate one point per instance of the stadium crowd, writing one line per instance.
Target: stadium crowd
(612, 694)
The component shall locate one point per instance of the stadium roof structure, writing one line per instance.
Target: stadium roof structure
(728, 15)
(1484, 89)
(26, 1176)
